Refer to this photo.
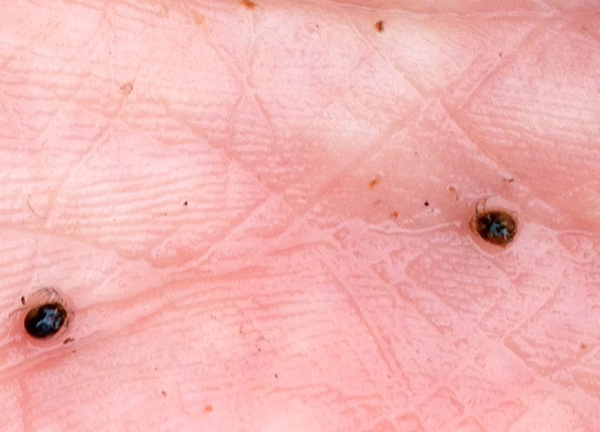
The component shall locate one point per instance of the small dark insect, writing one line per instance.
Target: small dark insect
(496, 227)
(46, 320)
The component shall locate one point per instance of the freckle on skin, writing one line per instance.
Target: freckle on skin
(198, 18)
(249, 4)
(126, 88)
(373, 183)
(379, 26)
(207, 408)
(452, 190)
(394, 215)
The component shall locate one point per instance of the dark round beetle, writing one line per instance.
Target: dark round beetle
(46, 320)
(496, 227)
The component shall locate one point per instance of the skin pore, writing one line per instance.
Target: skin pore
(257, 215)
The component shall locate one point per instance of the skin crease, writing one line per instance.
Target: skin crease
(230, 200)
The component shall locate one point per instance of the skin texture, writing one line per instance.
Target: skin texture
(257, 215)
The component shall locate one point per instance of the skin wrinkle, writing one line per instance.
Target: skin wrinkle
(284, 295)
(460, 77)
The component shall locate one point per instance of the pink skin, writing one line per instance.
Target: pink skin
(231, 200)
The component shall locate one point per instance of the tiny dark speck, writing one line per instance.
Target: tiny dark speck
(379, 26)
(426, 203)
(23, 300)
(185, 203)
(249, 4)
(68, 340)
